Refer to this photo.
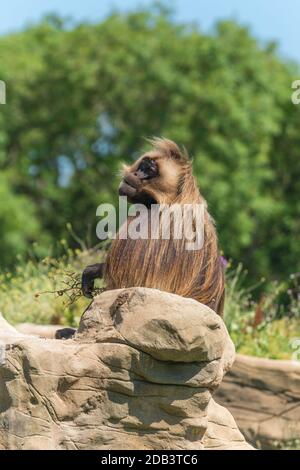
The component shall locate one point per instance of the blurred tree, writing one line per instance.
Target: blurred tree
(19, 225)
(80, 100)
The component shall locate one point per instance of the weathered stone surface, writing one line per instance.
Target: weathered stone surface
(44, 331)
(139, 374)
(264, 397)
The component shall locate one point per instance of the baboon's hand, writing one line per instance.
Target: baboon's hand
(89, 275)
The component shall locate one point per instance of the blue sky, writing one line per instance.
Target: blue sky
(269, 19)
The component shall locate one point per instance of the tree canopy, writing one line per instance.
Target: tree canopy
(81, 99)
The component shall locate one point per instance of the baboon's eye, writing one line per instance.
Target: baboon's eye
(147, 169)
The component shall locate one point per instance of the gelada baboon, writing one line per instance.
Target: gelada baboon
(163, 176)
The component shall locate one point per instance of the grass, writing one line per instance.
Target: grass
(265, 329)
(33, 293)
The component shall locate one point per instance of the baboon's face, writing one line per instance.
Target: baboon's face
(152, 179)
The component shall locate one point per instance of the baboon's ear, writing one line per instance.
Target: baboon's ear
(169, 149)
(174, 151)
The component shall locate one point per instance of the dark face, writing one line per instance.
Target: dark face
(147, 169)
(137, 178)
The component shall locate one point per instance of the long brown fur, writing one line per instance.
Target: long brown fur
(167, 264)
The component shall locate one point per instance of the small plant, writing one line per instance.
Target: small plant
(72, 288)
(47, 291)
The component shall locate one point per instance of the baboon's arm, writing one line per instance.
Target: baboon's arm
(89, 275)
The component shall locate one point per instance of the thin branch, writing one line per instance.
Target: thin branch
(72, 291)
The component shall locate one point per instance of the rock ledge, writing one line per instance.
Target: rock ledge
(139, 374)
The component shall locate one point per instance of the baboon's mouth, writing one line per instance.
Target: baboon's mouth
(135, 196)
(127, 189)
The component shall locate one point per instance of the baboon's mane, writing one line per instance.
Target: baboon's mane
(166, 264)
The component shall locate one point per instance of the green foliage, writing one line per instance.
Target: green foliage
(81, 98)
(266, 328)
(18, 222)
(33, 294)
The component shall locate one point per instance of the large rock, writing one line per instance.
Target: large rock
(44, 331)
(139, 374)
(264, 397)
